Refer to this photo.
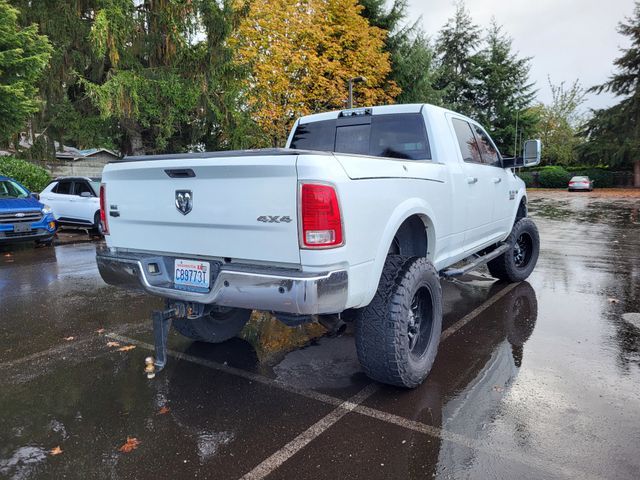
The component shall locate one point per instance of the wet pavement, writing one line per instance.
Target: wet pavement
(535, 380)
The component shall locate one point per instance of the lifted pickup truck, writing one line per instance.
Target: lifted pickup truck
(359, 217)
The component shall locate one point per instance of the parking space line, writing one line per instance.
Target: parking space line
(354, 405)
(306, 437)
(475, 312)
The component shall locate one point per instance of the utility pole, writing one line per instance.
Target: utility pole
(351, 82)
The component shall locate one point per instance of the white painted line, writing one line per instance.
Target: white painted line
(353, 405)
(477, 311)
(254, 377)
(311, 433)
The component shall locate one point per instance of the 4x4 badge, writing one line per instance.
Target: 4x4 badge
(184, 201)
(273, 219)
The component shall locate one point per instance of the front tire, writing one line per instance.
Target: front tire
(517, 263)
(398, 333)
(214, 328)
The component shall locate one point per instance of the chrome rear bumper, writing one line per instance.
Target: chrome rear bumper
(254, 287)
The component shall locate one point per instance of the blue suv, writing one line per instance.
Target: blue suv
(22, 216)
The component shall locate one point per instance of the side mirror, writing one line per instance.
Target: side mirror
(35, 195)
(86, 194)
(531, 153)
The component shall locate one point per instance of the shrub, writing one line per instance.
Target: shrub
(32, 176)
(527, 177)
(553, 177)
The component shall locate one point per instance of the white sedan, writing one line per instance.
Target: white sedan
(75, 201)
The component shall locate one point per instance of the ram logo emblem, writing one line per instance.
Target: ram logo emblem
(184, 201)
(274, 219)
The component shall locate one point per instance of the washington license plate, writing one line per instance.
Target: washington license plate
(189, 273)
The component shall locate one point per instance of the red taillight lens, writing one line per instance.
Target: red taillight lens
(320, 216)
(103, 209)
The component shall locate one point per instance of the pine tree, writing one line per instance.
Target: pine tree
(613, 134)
(503, 93)
(456, 49)
(24, 54)
(410, 51)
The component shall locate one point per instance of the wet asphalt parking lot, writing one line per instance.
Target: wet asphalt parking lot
(535, 380)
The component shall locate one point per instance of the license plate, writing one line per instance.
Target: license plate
(190, 273)
(21, 227)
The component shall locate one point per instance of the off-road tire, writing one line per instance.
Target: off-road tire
(213, 328)
(383, 338)
(505, 267)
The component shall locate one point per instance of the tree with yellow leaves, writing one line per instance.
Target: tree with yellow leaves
(301, 55)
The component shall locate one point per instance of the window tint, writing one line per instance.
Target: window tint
(10, 189)
(399, 136)
(315, 136)
(353, 139)
(394, 135)
(80, 187)
(467, 141)
(63, 188)
(488, 151)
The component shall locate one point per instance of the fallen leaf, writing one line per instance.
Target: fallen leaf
(68, 339)
(130, 445)
(126, 348)
(100, 330)
(498, 388)
(613, 300)
(56, 451)
(113, 344)
(163, 411)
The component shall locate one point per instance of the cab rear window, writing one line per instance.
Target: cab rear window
(400, 135)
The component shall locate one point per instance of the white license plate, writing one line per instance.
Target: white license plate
(190, 273)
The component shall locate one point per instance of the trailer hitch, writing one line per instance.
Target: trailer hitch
(161, 324)
(161, 320)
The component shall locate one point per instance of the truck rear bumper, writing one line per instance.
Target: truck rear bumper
(251, 287)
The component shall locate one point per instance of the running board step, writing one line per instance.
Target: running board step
(456, 272)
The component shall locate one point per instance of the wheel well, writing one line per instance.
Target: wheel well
(522, 209)
(411, 239)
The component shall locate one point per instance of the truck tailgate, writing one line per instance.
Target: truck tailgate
(243, 208)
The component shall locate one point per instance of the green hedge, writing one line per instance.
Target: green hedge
(528, 178)
(553, 177)
(32, 176)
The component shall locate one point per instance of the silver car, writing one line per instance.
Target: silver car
(580, 183)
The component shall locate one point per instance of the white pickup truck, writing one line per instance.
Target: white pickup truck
(359, 217)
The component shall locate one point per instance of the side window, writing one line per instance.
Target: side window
(400, 135)
(488, 151)
(315, 136)
(467, 141)
(63, 188)
(81, 187)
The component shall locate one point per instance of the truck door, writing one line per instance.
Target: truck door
(479, 186)
(502, 205)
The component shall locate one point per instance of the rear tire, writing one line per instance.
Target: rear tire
(517, 263)
(213, 328)
(97, 224)
(398, 333)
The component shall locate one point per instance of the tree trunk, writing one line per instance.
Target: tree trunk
(636, 173)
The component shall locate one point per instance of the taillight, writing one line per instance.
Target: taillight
(103, 209)
(320, 218)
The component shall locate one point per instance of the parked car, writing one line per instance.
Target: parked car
(75, 201)
(580, 183)
(360, 217)
(22, 216)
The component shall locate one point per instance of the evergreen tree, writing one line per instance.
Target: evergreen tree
(503, 93)
(24, 54)
(457, 60)
(410, 51)
(613, 134)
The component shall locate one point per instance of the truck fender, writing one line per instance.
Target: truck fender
(521, 195)
(408, 208)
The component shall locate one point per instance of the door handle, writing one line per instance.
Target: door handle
(497, 180)
(472, 180)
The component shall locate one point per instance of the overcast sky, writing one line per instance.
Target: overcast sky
(567, 39)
